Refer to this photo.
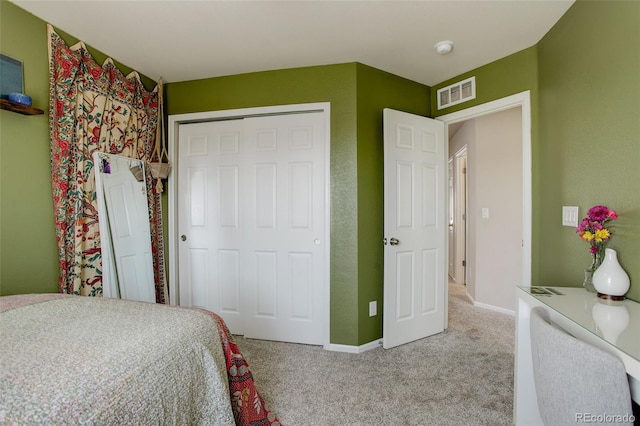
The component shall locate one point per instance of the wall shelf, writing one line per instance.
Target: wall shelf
(20, 109)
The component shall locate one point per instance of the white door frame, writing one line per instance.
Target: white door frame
(460, 231)
(522, 100)
(174, 123)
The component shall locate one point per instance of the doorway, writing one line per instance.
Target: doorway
(484, 214)
(459, 216)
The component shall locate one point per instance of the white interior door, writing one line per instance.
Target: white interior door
(461, 217)
(450, 217)
(251, 196)
(209, 222)
(128, 250)
(285, 224)
(415, 227)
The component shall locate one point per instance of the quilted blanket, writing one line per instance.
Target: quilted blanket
(140, 363)
(248, 406)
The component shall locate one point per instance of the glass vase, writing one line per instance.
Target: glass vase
(588, 280)
(598, 257)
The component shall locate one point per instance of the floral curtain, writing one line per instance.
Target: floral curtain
(95, 108)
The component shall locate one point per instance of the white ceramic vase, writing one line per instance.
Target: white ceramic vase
(611, 320)
(610, 279)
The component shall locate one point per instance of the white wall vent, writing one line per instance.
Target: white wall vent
(456, 93)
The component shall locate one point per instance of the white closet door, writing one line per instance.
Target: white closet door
(209, 223)
(252, 218)
(285, 225)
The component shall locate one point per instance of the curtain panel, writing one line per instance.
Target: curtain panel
(95, 108)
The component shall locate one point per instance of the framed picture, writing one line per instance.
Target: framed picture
(11, 79)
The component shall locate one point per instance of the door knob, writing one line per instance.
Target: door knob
(183, 237)
(394, 241)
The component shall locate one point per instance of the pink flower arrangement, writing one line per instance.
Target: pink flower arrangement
(593, 230)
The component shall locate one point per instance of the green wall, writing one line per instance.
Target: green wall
(589, 135)
(376, 90)
(585, 95)
(357, 94)
(28, 261)
(505, 77)
(585, 91)
(28, 250)
(335, 84)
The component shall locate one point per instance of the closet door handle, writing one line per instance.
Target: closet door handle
(183, 237)
(394, 241)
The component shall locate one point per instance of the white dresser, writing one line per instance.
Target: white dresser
(611, 326)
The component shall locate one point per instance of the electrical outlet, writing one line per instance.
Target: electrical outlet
(373, 308)
(570, 216)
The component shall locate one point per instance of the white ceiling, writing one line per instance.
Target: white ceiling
(185, 40)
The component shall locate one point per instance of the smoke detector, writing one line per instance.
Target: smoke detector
(444, 47)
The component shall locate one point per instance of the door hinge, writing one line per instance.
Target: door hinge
(464, 263)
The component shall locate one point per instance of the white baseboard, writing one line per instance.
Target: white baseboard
(490, 307)
(473, 302)
(354, 349)
(495, 308)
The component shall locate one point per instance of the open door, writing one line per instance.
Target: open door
(415, 227)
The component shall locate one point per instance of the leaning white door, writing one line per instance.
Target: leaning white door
(128, 223)
(415, 228)
(284, 192)
(251, 217)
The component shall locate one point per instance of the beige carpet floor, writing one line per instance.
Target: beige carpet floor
(463, 376)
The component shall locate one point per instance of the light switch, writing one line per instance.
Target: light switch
(570, 216)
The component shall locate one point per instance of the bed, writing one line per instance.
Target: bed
(85, 360)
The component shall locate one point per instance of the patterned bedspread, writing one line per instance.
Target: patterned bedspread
(70, 360)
